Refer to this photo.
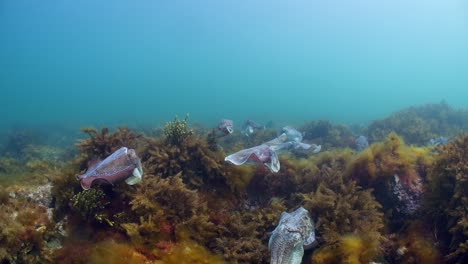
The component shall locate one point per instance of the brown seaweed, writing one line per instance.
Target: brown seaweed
(447, 200)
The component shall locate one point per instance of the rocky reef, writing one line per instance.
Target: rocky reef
(389, 202)
(419, 124)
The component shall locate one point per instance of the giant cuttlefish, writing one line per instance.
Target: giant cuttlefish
(250, 127)
(267, 153)
(260, 154)
(224, 128)
(122, 165)
(294, 233)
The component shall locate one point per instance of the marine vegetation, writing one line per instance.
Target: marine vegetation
(350, 249)
(342, 208)
(177, 131)
(18, 140)
(417, 125)
(415, 244)
(111, 251)
(447, 199)
(101, 144)
(26, 232)
(165, 212)
(200, 166)
(89, 204)
(193, 206)
(188, 252)
(395, 171)
(327, 135)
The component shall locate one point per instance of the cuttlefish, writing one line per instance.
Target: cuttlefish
(294, 138)
(122, 165)
(259, 154)
(294, 233)
(224, 128)
(250, 126)
(267, 153)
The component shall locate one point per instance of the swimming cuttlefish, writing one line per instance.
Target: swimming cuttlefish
(122, 165)
(294, 233)
(267, 153)
(224, 128)
(250, 127)
(260, 154)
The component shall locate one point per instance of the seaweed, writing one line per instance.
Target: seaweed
(280, 184)
(90, 205)
(4, 196)
(110, 251)
(396, 172)
(192, 205)
(417, 125)
(24, 231)
(328, 135)
(199, 166)
(159, 208)
(18, 140)
(101, 144)
(343, 208)
(188, 252)
(415, 244)
(447, 199)
(243, 234)
(64, 187)
(166, 212)
(177, 131)
(350, 249)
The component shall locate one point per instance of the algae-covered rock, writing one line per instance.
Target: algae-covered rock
(447, 200)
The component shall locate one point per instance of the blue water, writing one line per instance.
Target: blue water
(129, 62)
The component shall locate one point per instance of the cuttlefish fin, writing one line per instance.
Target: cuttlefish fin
(240, 157)
(93, 163)
(135, 178)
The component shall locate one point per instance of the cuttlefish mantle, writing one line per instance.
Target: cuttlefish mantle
(260, 154)
(294, 233)
(122, 165)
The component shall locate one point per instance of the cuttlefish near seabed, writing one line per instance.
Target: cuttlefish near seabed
(294, 233)
(224, 128)
(267, 153)
(122, 165)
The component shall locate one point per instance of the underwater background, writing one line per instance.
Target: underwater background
(195, 131)
(119, 62)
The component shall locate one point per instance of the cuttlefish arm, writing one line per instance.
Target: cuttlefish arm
(296, 254)
(274, 164)
(137, 174)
